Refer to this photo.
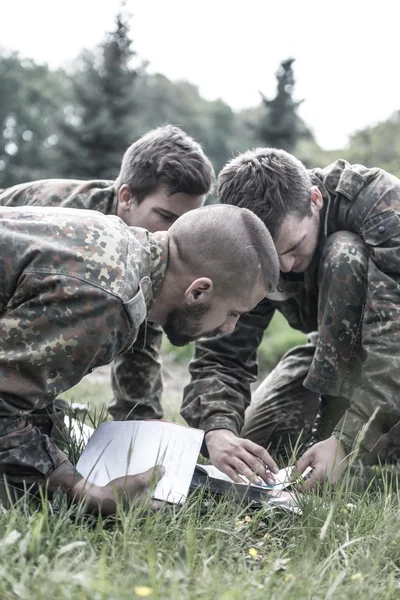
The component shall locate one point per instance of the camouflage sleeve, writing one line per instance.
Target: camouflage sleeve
(136, 377)
(91, 195)
(377, 401)
(48, 343)
(222, 370)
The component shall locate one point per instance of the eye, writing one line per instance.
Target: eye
(234, 314)
(167, 216)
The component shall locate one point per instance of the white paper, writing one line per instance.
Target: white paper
(124, 448)
(282, 478)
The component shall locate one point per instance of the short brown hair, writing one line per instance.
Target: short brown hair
(232, 246)
(270, 182)
(166, 156)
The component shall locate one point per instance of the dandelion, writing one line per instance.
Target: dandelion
(289, 577)
(253, 552)
(143, 591)
(357, 577)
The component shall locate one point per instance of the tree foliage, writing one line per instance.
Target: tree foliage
(31, 99)
(280, 126)
(97, 125)
(79, 123)
(378, 146)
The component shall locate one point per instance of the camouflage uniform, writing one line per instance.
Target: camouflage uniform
(75, 288)
(350, 296)
(136, 375)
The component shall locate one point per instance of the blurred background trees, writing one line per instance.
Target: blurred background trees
(98, 122)
(77, 122)
(279, 125)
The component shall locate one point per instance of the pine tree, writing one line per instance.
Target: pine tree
(280, 126)
(99, 125)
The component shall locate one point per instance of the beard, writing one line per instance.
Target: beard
(184, 325)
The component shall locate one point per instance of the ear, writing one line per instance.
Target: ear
(316, 197)
(199, 292)
(125, 198)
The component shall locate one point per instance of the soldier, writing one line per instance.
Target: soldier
(337, 234)
(163, 175)
(75, 287)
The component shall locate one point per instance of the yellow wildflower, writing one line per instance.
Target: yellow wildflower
(253, 552)
(289, 577)
(143, 591)
(357, 576)
(248, 519)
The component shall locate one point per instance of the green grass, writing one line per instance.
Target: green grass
(345, 545)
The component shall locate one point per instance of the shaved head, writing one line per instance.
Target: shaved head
(230, 245)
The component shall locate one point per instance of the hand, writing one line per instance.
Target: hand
(328, 461)
(236, 456)
(128, 489)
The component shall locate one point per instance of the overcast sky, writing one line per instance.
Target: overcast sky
(347, 51)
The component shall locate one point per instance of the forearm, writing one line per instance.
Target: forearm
(222, 370)
(214, 403)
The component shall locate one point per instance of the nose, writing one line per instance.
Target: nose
(286, 263)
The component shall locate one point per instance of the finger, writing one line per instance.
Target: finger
(242, 469)
(262, 454)
(308, 485)
(258, 469)
(252, 464)
(157, 504)
(158, 472)
(231, 473)
(149, 477)
(315, 478)
(305, 461)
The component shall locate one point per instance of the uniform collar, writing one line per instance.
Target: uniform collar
(159, 254)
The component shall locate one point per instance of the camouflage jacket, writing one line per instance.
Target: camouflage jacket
(69, 193)
(75, 287)
(140, 382)
(358, 199)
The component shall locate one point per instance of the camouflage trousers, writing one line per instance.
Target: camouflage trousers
(50, 421)
(136, 379)
(307, 393)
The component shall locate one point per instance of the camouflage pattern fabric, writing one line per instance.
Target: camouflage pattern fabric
(136, 376)
(283, 412)
(69, 193)
(75, 287)
(350, 295)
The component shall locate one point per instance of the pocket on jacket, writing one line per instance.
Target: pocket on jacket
(381, 228)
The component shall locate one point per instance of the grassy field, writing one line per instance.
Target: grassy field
(346, 544)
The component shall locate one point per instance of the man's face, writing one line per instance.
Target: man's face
(297, 240)
(186, 324)
(158, 211)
